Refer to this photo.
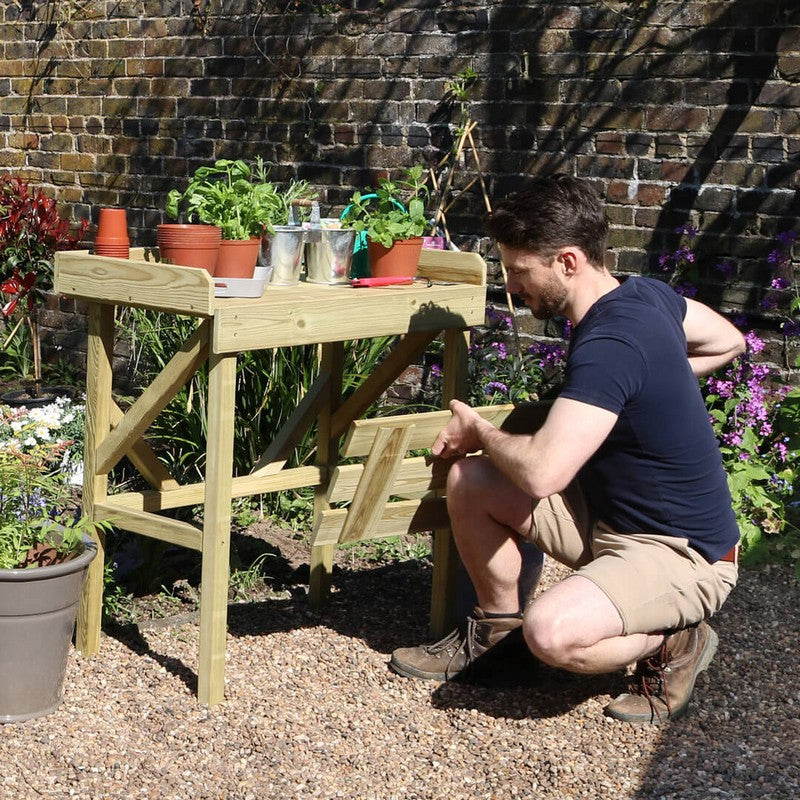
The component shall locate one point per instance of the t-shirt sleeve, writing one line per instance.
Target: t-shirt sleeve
(604, 372)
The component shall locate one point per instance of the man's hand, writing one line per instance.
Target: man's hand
(540, 463)
(460, 435)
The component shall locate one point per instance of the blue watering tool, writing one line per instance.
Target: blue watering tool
(360, 264)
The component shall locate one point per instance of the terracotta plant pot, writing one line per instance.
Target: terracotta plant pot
(112, 233)
(237, 258)
(400, 260)
(189, 245)
(112, 224)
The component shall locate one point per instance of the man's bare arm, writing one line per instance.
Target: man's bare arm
(542, 463)
(711, 340)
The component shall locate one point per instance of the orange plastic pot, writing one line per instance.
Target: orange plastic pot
(400, 260)
(189, 245)
(237, 258)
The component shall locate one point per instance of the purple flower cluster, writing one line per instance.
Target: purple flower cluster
(748, 385)
(550, 355)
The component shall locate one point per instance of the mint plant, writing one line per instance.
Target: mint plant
(383, 216)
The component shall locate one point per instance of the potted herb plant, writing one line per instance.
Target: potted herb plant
(242, 203)
(45, 551)
(31, 231)
(392, 218)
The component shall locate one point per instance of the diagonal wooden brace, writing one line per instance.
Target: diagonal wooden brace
(376, 483)
(154, 399)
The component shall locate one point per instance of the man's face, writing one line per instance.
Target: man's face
(536, 280)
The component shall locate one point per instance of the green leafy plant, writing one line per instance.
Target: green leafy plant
(381, 213)
(238, 199)
(38, 520)
(755, 418)
(758, 427)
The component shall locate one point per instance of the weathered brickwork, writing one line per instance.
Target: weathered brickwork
(680, 111)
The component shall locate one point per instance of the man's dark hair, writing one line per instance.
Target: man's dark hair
(549, 213)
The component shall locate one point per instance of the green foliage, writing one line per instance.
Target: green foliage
(391, 549)
(244, 581)
(498, 372)
(38, 524)
(241, 201)
(383, 217)
(269, 386)
(758, 427)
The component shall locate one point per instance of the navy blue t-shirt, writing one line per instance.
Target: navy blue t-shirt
(660, 469)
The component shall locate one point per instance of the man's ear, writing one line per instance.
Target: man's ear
(569, 260)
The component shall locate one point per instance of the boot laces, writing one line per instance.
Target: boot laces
(456, 640)
(452, 638)
(649, 679)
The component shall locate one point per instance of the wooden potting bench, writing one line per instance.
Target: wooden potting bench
(452, 300)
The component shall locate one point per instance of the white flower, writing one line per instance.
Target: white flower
(29, 442)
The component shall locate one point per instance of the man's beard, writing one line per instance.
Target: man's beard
(550, 300)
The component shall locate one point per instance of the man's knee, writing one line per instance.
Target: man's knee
(467, 473)
(548, 637)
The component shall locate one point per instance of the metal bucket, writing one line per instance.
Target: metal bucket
(329, 256)
(283, 251)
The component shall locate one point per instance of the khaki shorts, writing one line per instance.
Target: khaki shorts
(655, 582)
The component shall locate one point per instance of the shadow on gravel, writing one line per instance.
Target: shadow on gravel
(740, 737)
(131, 637)
(513, 684)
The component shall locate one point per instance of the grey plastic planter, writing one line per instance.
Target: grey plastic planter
(38, 607)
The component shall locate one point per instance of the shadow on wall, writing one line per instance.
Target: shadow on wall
(679, 116)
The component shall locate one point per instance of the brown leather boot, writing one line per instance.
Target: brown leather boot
(663, 683)
(458, 650)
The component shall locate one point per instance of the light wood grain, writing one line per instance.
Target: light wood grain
(133, 282)
(449, 265)
(426, 428)
(293, 430)
(95, 482)
(376, 483)
(216, 529)
(409, 348)
(289, 315)
(142, 456)
(156, 527)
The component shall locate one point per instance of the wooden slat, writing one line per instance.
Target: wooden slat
(321, 557)
(132, 282)
(215, 569)
(409, 348)
(376, 483)
(293, 430)
(243, 486)
(154, 398)
(95, 482)
(145, 524)
(142, 456)
(417, 477)
(426, 428)
(404, 516)
(287, 316)
(449, 265)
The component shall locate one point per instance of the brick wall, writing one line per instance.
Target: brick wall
(681, 111)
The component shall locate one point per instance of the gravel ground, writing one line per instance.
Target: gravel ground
(313, 711)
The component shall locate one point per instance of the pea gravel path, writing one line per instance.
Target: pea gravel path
(312, 711)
